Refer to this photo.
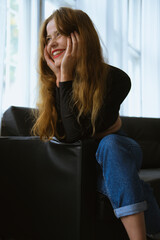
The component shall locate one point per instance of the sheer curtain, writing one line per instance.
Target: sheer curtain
(3, 7)
(25, 85)
(151, 58)
(130, 31)
(19, 88)
(20, 97)
(135, 49)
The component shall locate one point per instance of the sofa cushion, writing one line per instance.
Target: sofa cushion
(146, 131)
(149, 175)
(152, 176)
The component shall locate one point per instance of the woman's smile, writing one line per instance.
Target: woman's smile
(56, 53)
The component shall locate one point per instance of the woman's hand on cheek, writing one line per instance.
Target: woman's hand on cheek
(79, 48)
(69, 60)
(51, 63)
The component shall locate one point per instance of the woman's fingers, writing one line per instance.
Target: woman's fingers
(50, 62)
(71, 55)
(47, 57)
(78, 48)
(69, 46)
(74, 44)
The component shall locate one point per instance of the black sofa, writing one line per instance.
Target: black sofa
(47, 189)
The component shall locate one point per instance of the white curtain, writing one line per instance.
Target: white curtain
(29, 17)
(151, 58)
(21, 97)
(117, 32)
(3, 7)
(117, 22)
(21, 92)
(117, 41)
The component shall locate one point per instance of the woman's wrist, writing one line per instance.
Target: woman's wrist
(66, 78)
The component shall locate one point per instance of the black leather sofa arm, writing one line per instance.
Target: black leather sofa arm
(47, 189)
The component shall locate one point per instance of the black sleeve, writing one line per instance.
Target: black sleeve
(72, 128)
(117, 87)
(120, 86)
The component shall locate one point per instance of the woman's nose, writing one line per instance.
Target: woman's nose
(53, 43)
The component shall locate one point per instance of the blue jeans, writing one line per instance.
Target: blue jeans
(119, 159)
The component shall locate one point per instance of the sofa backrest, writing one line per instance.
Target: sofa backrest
(18, 121)
(146, 131)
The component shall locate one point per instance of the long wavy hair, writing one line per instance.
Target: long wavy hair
(89, 77)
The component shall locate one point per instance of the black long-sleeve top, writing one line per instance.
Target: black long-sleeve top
(118, 86)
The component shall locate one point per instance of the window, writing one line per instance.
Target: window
(11, 53)
(134, 56)
(133, 36)
(124, 47)
(16, 57)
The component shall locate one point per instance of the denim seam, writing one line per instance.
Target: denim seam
(108, 194)
(106, 189)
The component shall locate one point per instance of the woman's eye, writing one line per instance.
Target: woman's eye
(48, 39)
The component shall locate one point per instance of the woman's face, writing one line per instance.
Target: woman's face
(56, 43)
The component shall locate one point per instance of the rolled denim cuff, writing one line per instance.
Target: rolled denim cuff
(130, 209)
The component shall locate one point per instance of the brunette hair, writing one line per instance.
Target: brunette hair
(89, 81)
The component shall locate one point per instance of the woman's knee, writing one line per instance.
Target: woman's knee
(108, 147)
(108, 142)
(119, 148)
